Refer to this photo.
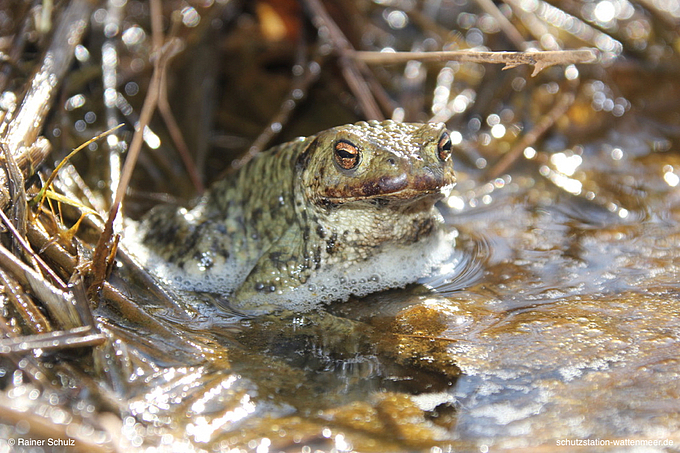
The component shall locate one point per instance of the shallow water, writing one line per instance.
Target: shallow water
(559, 323)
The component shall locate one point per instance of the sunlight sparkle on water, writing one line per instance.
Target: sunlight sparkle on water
(203, 428)
(341, 443)
(265, 443)
(200, 404)
(152, 140)
(605, 11)
(571, 72)
(560, 179)
(74, 102)
(498, 131)
(396, 19)
(190, 16)
(671, 178)
(566, 164)
(455, 202)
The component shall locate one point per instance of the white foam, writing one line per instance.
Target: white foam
(223, 277)
(394, 266)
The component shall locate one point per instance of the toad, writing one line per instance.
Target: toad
(348, 211)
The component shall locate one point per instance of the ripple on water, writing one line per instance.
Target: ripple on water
(464, 268)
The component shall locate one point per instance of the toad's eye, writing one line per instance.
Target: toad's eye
(347, 155)
(444, 147)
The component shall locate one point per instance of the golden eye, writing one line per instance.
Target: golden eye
(444, 147)
(347, 155)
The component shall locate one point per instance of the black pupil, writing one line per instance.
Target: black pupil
(444, 146)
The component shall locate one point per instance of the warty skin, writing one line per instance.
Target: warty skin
(322, 205)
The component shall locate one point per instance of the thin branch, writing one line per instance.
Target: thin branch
(176, 135)
(17, 191)
(540, 60)
(77, 337)
(508, 28)
(298, 90)
(30, 253)
(166, 112)
(351, 67)
(163, 55)
(24, 305)
(559, 109)
(28, 122)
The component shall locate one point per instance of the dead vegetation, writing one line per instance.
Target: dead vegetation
(200, 89)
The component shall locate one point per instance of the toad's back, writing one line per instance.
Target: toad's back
(313, 220)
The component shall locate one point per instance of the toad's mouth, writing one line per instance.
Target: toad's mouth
(399, 189)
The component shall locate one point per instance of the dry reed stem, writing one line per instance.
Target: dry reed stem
(351, 68)
(162, 53)
(539, 60)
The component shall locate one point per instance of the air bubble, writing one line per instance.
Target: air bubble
(224, 277)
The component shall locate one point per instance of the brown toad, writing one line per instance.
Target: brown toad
(347, 211)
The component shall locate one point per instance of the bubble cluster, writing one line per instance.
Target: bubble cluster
(393, 266)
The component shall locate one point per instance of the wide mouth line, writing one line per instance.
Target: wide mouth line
(414, 194)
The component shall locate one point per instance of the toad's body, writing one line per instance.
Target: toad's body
(347, 211)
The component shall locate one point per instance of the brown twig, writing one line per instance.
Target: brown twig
(57, 302)
(299, 87)
(559, 109)
(508, 28)
(32, 316)
(163, 54)
(540, 60)
(130, 309)
(176, 135)
(20, 239)
(48, 246)
(17, 191)
(351, 68)
(77, 337)
(167, 115)
(36, 104)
